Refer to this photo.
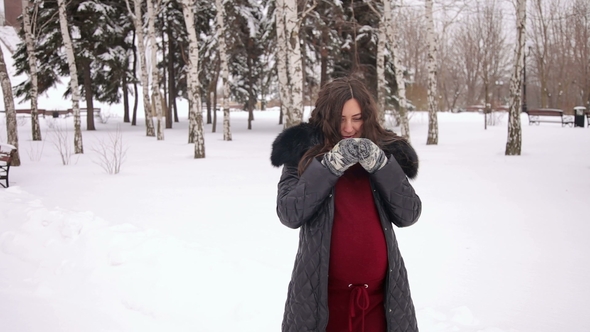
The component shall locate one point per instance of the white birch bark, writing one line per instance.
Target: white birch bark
(65, 33)
(381, 82)
(35, 128)
(294, 56)
(195, 114)
(219, 4)
(432, 71)
(392, 30)
(11, 125)
(138, 24)
(514, 142)
(282, 66)
(156, 97)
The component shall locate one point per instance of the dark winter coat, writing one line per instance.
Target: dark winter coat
(307, 202)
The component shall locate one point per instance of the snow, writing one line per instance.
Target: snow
(174, 243)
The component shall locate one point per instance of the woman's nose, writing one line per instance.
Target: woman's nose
(347, 126)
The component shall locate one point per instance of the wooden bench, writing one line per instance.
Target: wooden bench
(6, 151)
(40, 112)
(84, 111)
(536, 116)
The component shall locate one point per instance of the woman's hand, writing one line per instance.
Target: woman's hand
(343, 155)
(370, 156)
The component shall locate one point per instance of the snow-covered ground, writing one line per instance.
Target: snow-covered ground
(178, 244)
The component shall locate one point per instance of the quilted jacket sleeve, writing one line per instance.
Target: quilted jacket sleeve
(399, 200)
(299, 198)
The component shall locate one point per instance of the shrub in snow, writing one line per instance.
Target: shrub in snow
(110, 152)
(59, 138)
(35, 150)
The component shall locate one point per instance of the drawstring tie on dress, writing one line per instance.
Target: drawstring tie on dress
(359, 298)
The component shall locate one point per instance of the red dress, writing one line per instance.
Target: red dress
(358, 258)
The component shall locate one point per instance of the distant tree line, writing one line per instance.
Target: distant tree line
(444, 55)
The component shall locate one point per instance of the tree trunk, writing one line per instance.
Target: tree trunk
(251, 103)
(213, 94)
(155, 88)
(138, 24)
(393, 31)
(78, 147)
(11, 125)
(381, 82)
(125, 99)
(432, 90)
(214, 122)
(29, 42)
(196, 115)
(294, 54)
(175, 111)
(89, 96)
(224, 70)
(514, 142)
(209, 118)
(171, 79)
(135, 90)
(164, 77)
(324, 57)
(282, 66)
(215, 108)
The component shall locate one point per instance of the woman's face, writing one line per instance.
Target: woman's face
(351, 125)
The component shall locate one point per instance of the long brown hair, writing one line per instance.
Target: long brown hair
(327, 116)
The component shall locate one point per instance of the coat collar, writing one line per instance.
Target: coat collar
(290, 146)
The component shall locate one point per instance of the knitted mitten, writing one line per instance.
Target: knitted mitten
(343, 155)
(371, 157)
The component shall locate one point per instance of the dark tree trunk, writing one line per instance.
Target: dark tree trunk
(89, 96)
(125, 99)
(175, 110)
(135, 89)
(171, 76)
(251, 95)
(208, 105)
(214, 90)
(214, 110)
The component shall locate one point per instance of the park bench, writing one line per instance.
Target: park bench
(40, 112)
(6, 151)
(536, 116)
(84, 111)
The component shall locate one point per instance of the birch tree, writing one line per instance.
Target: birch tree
(137, 17)
(432, 90)
(219, 4)
(381, 82)
(156, 96)
(35, 128)
(195, 114)
(282, 66)
(392, 33)
(294, 55)
(11, 125)
(63, 23)
(514, 142)
(380, 69)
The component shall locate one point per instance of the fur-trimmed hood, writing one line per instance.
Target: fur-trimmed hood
(290, 146)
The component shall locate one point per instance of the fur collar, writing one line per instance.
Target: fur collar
(292, 143)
